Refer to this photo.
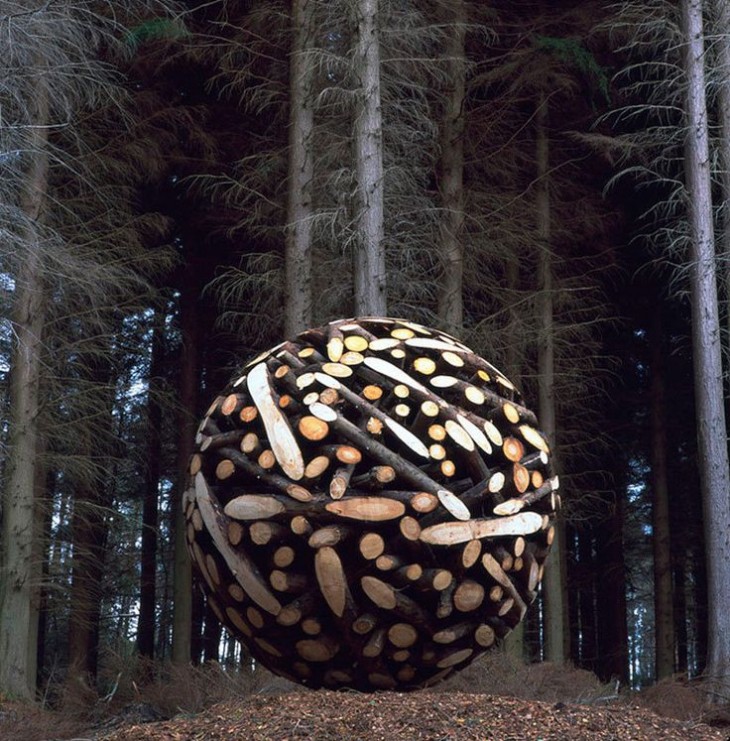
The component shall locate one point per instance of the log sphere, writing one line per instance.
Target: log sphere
(370, 506)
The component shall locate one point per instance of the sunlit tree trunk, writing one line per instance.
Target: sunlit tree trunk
(661, 538)
(451, 185)
(369, 257)
(556, 624)
(706, 342)
(17, 673)
(298, 312)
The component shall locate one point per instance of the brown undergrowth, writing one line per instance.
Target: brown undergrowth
(135, 695)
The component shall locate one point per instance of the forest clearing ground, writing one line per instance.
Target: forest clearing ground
(496, 699)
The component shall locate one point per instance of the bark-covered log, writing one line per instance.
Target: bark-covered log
(371, 506)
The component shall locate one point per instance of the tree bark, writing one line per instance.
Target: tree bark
(298, 312)
(148, 557)
(89, 533)
(451, 307)
(369, 258)
(188, 393)
(17, 675)
(556, 624)
(706, 342)
(661, 540)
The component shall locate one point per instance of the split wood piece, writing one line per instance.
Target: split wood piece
(495, 571)
(534, 437)
(313, 428)
(265, 533)
(402, 635)
(436, 579)
(470, 554)
(300, 525)
(508, 507)
(368, 409)
(225, 469)
(377, 475)
(513, 449)
(371, 546)
(453, 504)
(318, 650)
(279, 433)
(232, 437)
(331, 535)
(445, 605)
(316, 467)
(251, 445)
(468, 595)
(294, 612)
(375, 643)
(332, 580)
(287, 581)
(363, 624)
(520, 477)
(341, 480)
(450, 533)
(279, 482)
(283, 556)
(546, 489)
(384, 595)
(367, 509)
(196, 463)
(249, 507)
(424, 502)
(451, 659)
(453, 632)
(485, 636)
(242, 567)
(410, 528)
(235, 532)
(403, 468)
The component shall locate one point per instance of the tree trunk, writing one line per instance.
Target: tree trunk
(188, 394)
(298, 311)
(89, 532)
(369, 258)
(148, 561)
(556, 624)
(613, 656)
(451, 307)
(17, 675)
(661, 540)
(711, 428)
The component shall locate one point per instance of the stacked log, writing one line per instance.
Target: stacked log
(371, 506)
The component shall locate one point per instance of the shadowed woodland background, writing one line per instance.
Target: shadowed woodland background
(185, 184)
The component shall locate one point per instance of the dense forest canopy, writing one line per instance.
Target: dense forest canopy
(184, 184)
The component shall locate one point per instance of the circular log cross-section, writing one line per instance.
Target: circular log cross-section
(370, 506)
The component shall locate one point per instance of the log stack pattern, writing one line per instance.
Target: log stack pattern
(370, 506)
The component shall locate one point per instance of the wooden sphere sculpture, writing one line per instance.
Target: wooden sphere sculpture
(370, 507)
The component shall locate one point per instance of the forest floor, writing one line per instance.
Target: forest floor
(494, 700)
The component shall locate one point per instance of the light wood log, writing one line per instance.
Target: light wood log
(468, 595)
(242, 568)
(279, 433)
(367, 509)
(371, 545)
(332, 579)
(450, 533)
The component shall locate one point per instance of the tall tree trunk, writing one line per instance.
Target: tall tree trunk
(679, 610)
(188, 393)
(556, 624)
(451, 185)
(298, 311)
(722, 40)
(711, 428)
(17, 675)
(661, 540)
(612, 626)
(148, 561)
(89, 533)
(369, 258)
